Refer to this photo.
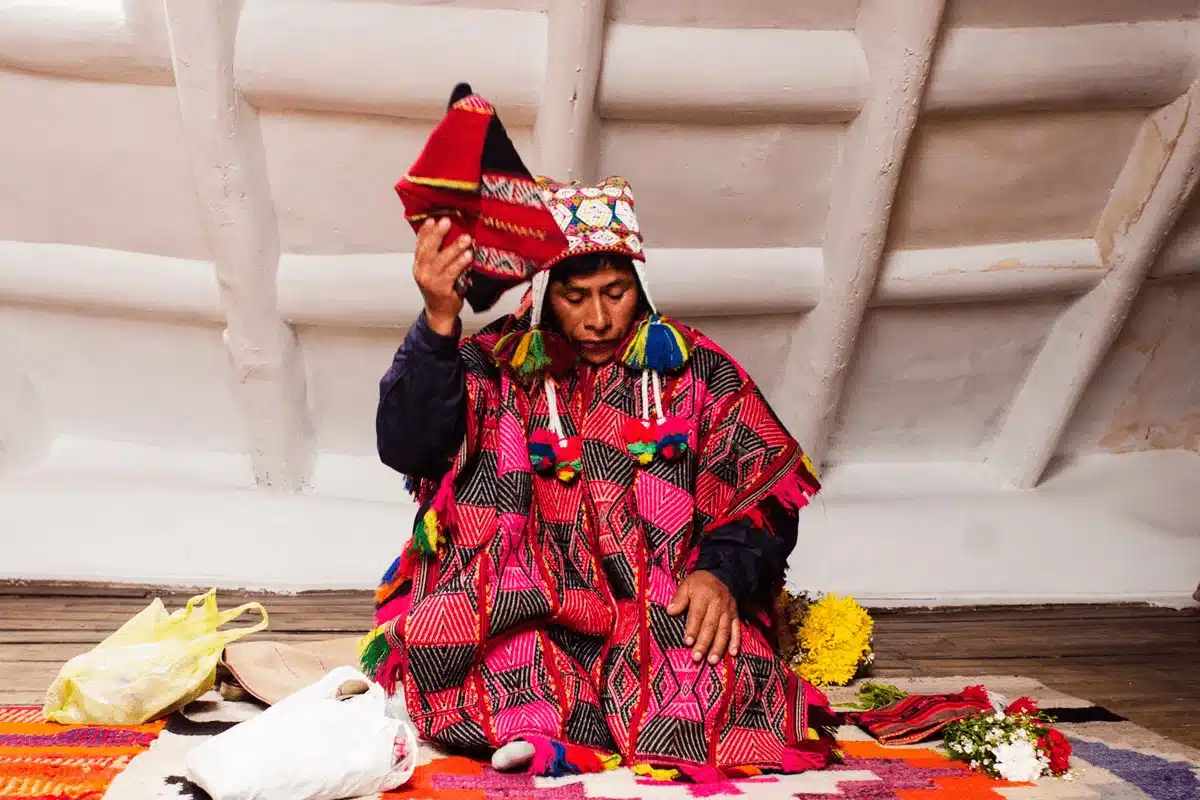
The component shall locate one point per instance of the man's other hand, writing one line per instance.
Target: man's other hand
(436, 271)
(712, 626)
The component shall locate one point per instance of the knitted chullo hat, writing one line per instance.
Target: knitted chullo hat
(470, 172)
(598, 219)
(595, 219)
(601, 219)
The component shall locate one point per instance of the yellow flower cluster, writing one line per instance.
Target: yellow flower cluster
(835, 639)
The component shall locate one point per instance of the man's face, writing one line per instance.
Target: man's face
(596, 311)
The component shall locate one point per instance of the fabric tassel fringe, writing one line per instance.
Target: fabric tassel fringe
(553, 759)
(658, 345)
(427, 535)
(438, 517)
(810, 754)
(793, 492)
(373, 651)
(392, 579)
(532, 354)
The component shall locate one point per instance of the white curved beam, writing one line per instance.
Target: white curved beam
(73, 276)
(227, 157)
(665, 74)
(567, 118)
(1138, 65)
(373, 290)
(392, 60)
(900, 40)
(102, 40)
(1150, 194)
(314, 55)
(988, 272)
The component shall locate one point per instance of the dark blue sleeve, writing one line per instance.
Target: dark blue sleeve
(749, 560)
(421, 419)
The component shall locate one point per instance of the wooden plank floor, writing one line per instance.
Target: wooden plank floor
(1139, 661)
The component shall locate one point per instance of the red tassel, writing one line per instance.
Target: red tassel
(808, 755)
(709, 777)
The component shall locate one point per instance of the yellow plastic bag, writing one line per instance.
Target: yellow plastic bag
(154, 664)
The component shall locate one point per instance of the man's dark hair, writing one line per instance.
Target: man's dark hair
(585, 264)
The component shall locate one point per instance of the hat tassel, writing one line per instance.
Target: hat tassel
(658, 346)
(534, 354)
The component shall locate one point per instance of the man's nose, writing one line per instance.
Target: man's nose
(599, 319)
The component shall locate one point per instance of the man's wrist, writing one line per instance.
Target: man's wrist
(442, 324)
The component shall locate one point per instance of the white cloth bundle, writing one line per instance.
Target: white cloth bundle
(328, 741)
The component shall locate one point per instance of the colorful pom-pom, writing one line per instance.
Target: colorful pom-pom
(641, 439)
(568, 455)
(658, 345)
(532, 354)
(673, 437)
(541, 450)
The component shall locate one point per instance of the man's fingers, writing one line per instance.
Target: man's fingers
(430, 238)
(721, 640)
(462, 264)
(735, 636)
(449, 261)
(679, 602)
(708, 630)
(422, 245)
(696, 612)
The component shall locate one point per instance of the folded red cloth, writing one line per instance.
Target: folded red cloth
(920, 716)
(470, 173)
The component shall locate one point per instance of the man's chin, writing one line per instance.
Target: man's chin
(597, 358)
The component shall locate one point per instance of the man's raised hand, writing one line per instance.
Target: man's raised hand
(436, 271)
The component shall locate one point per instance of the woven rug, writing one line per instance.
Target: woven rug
(1114, 760)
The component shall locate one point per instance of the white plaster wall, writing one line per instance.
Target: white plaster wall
(133, 380)
(919, 227)
(936, 380)
(96, 164)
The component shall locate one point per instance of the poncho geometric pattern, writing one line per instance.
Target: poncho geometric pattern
(544, 612)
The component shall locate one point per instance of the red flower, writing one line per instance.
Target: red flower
(1058, 749)
(1022, 705)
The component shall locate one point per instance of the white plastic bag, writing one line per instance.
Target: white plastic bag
(328, 741)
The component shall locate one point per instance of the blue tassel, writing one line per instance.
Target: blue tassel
(391, 572)
(559, 765)
(658, 345)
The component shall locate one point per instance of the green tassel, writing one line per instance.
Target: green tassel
(427, 534)
(533, 353)
(375, 653)
(525, 353)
